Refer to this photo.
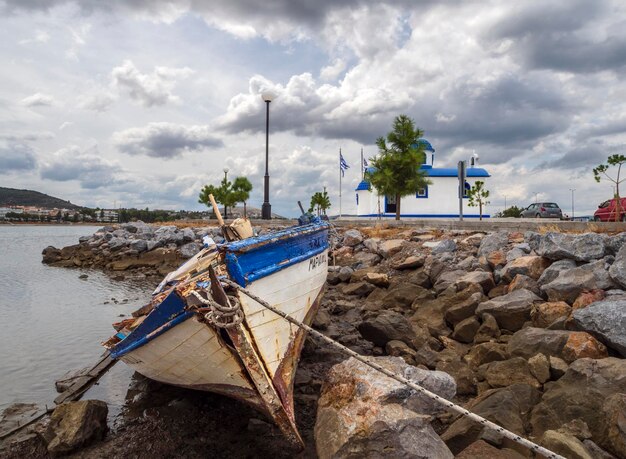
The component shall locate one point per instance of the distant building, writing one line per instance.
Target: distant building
(5, 210)
(438, 200)
(107, 216)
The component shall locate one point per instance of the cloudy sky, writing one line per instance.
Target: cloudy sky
(139, 103)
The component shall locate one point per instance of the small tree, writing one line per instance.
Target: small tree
(478, 195)
(242, 188)
(598, 172)
(225, 194)
(320, 202)
(396, 170)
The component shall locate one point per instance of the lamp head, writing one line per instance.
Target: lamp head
(268, 96)
(226, 170)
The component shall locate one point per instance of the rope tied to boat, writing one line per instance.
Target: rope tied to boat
(447, 403)
(221, 316)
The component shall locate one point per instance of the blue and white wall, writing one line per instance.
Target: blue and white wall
(438, 200)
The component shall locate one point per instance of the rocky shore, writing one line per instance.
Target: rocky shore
(527, 330)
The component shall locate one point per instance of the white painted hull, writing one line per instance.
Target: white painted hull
(192, 354)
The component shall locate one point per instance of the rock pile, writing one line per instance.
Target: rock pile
(134, 246)
(530, 326)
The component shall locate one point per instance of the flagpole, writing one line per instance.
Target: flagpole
(340, 174)
(362, 168)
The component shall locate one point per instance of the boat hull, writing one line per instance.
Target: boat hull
(254, 361)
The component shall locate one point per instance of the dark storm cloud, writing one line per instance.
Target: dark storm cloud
(165, 140)
(510, 112)
(16, 158)
(575, 36)
(583, 155)
(87, 167)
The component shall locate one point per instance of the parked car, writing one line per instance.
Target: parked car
(543, 210)
(606, 211)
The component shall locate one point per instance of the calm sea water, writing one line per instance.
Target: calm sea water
(52, 321)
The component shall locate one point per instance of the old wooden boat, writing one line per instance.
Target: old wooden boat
(199, 333)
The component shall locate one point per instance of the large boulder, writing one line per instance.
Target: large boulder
(493, 242)
(482, 450)
(362, 413)
(579, 247)
(565, 444)
(614, 409)
(507, 407)
(581, 393)
(530, 265)
(569, 284)
(390, 247)
(510, 310)
(531, 341)
(76, 424)
(553, 271)
(387, 326)
(352, 237)
(506, 372)
(606, 320)
(482, 278)
(447, 245)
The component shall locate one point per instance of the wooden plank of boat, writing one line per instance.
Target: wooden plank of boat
(85, 381)
(255, 366)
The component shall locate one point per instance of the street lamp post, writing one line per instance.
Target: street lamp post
(572, 190)
(266, 208)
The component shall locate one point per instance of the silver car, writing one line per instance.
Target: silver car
(543, 210)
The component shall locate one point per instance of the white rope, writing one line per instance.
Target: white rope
(448, 404)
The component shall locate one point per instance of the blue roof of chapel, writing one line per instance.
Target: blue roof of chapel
(427, 145)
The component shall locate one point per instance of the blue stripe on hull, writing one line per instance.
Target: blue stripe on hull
(165, 315)
(252, 259)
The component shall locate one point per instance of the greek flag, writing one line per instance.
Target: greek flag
(364, 164)
(343, 165)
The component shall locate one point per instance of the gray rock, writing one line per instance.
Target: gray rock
(492, 242)
(385, 327)
(531, 341)
(615, 243)
(569, 284)
(355, 399)
(601, 272)
(168, 235)
(345, 273)
(139, 245)
(371, 244)
(116, 243)
(523, 246)
(606, 320)
(76, 424)
(509, 407)
(447, 245)
(188, 235)
(617, 271)
(190, 249)
(151, 245)
(390, 247)
(553, 271)
(482, 278)
(579, 247)
(581, 394)
(533, 239)
(539, 366)
(352, 237)
(466, 330)
(565, 444)
(514, 254)
(510, 310)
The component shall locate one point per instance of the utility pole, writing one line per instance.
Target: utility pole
(572, 190)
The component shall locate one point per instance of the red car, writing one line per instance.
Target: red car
(606, 211)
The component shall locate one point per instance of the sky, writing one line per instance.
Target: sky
(140, 103)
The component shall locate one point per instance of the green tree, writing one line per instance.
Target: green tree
(396, 170)
(478, 195)
(320, 202)
(513, 211)
(242, 188)
(225, 194)
(601, 170)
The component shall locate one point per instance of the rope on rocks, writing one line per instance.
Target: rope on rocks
(448, 404)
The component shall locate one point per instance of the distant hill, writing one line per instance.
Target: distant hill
(15, 197)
